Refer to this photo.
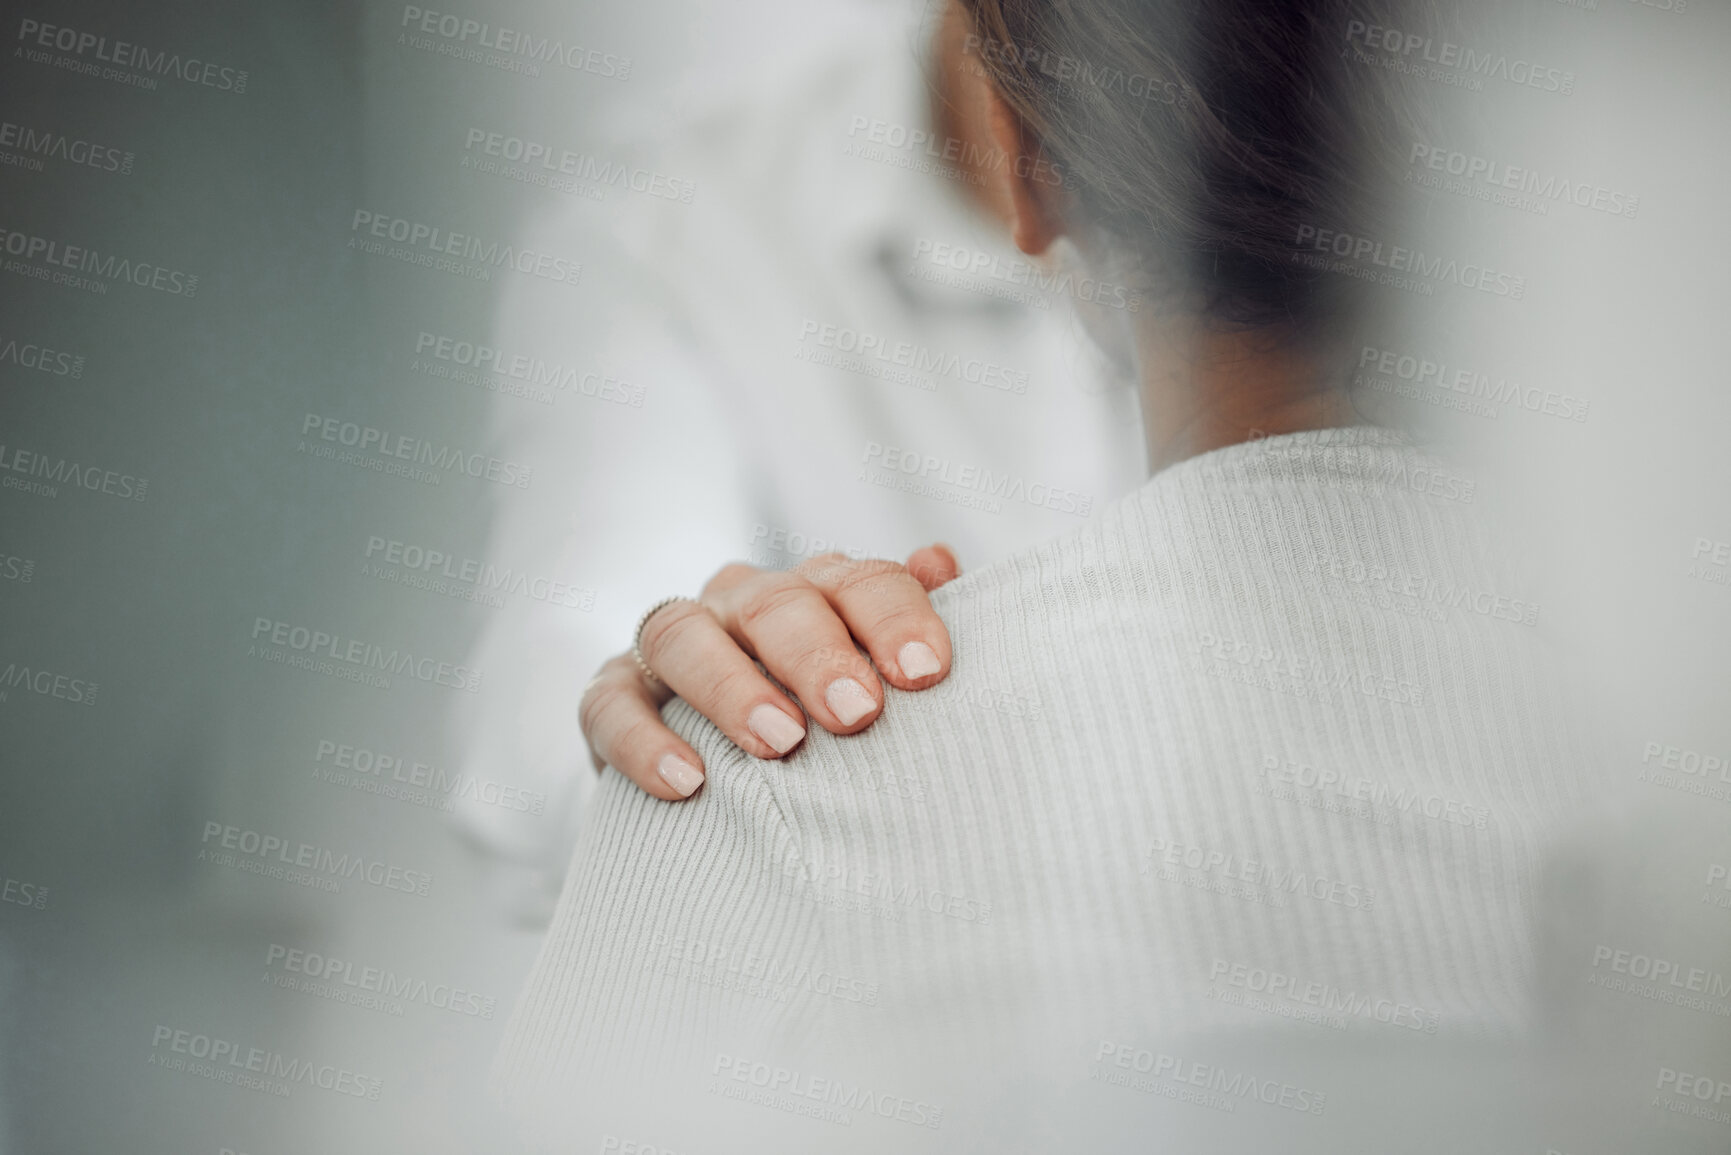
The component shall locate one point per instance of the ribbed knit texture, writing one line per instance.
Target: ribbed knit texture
(1008, 856)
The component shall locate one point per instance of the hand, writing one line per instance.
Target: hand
(802, 625)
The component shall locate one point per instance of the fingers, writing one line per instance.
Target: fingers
(933, 566)
(888, 610)
(621, 717)
(803, 627)
(791, 627)
(690, 651)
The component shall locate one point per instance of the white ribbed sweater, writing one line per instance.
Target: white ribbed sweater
(1271, 723)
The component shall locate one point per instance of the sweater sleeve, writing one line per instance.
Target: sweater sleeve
(681, 932)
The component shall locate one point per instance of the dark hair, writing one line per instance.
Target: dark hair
(1200, 136)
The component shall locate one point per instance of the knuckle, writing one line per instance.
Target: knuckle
(601, 701)
(898, 619)
(771, 596)
(728, 576)
(734, 687)
(871, 578)
(632, 743)
(821, 663)
(620, 667)
(666, 629)
(825, 567)
(928, 571)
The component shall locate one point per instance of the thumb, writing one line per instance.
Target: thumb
(933, 566)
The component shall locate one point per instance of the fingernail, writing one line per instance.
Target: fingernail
(917, 660)
(849, 700)
(781, 732)
(679, 774)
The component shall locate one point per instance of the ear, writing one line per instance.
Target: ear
(1028, 181)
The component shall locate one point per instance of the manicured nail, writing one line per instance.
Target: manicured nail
(917, 660)
(679, 774)
(849, 700)
(781, 732)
